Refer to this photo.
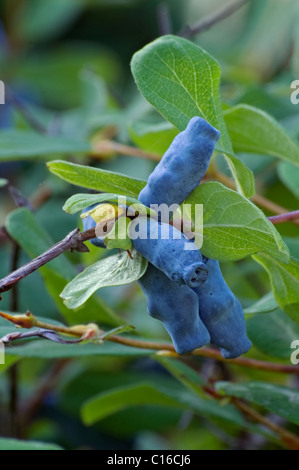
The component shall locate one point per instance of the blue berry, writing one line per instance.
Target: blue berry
(183, 165)
(165, 247)
(222, 314)
(177, 308)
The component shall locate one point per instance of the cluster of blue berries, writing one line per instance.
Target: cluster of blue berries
(185, 290)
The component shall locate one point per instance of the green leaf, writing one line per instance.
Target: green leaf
(289, 175)
(233, 226)
(16, 444)
(273, 334)
(78, 202)
(48, 350)
(26, 144)
(285, 283)
(23, 227)
(293, 245)
(243, 176)
(254, 131)
(283, 401)
(108, 403)
(114, 270)
(152, 137)
(194, 382)
(97, 179)
(181, 80)
(266, 304)
(183, 373)
(9, 360)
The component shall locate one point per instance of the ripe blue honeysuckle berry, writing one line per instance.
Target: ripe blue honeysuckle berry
(167, 249)
(176, 306)
(88, 223)
(183, 165)
(222, 314)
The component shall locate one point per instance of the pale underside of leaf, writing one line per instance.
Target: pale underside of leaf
(111, 271)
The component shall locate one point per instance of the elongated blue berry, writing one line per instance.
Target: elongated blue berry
(177, 308)
(167, 249)
(183, 165)
(222, 314)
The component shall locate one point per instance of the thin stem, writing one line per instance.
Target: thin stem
(209, 21)
(73, 241)
(13, 371)
(92, 331)
(14, 301)
(164, 22)
(287, 437)
(281, 219)
(105, 147)
(29, 321)
(40, 196)
(208, 352)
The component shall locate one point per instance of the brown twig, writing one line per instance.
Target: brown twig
(28, 321)
(13, 371)
(104, 147)
(209, 21)
(289, 439)
(40, 196)
(73, 241)
(163, 16)
(3, 235)
(208, 352)
(91, 331)
(287, 217)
